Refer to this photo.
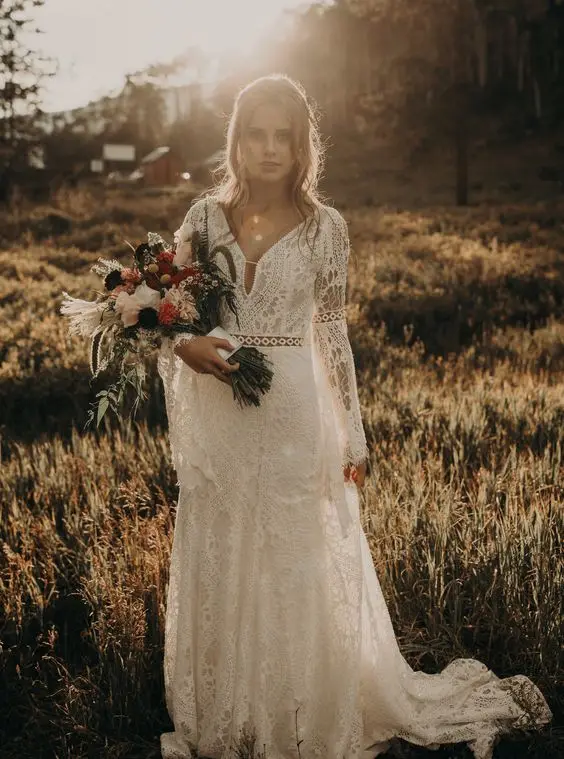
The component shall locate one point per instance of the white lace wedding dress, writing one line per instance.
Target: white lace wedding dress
(275, 618)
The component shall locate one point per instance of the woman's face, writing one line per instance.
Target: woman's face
(266, 144)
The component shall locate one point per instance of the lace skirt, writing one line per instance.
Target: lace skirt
(276, 623)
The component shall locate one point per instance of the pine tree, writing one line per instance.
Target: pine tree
(22, 71)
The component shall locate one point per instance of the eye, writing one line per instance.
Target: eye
(284, 136)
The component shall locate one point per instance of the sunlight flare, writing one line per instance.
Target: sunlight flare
(134, 34)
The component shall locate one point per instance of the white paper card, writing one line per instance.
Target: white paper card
(220, 332)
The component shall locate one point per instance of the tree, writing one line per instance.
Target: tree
(425, 76)
(195, 138)
(69, 149)
(435, 62)
(22, 71)
(138, 116)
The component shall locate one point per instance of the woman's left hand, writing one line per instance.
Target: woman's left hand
(356, 473)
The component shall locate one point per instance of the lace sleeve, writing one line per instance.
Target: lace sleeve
(194, 216)
(169, 364)
(330, 336)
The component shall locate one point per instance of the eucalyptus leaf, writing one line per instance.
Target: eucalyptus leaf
(102, 408)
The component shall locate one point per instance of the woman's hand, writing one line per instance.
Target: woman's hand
(356, 473)
(201, 355)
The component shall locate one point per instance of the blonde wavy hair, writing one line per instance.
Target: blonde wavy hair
(231, 189)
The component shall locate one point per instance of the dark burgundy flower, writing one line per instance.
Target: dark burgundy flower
(148, 318)
(113, 279)
(153, 281)
(141, 253)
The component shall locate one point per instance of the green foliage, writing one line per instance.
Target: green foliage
(112, 398)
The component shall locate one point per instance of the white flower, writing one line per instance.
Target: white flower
(84, 315)
(183, 240)
(129, 305)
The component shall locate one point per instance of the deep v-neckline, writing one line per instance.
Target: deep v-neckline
(241, 252)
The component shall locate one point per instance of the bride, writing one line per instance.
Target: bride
(276, 623)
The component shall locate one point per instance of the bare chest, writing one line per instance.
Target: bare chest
(256, 235)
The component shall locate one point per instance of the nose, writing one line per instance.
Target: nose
(270, 144)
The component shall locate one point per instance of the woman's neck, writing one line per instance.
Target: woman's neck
(268, 195)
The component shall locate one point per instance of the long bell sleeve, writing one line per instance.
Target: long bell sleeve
(169, 363)
(330, 336)
(194, 218)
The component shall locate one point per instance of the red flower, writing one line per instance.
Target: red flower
(153, 279)
(166, 256)
(165, 268)
(168, 313)
(188, 271)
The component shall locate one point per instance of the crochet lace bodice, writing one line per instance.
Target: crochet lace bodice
(299, 289)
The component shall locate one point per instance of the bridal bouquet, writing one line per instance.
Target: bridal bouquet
(168, 289)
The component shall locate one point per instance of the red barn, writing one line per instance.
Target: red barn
(161, 167)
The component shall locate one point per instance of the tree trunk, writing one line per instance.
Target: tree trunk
(482, 51)
(537, 98)
(523, 53)
(461, 147)
(462, 88)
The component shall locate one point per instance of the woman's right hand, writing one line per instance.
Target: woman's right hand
(201, 355)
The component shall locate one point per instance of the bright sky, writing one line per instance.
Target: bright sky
(98, 41)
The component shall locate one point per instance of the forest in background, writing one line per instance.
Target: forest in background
(396, 84)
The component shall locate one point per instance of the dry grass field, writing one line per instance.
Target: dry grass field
(457, 324)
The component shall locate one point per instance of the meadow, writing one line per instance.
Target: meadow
(456, 320)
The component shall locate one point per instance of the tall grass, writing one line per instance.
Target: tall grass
(457, 329)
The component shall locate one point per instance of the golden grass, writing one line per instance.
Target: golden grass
(457, 325)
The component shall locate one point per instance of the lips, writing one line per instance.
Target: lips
(269, 163)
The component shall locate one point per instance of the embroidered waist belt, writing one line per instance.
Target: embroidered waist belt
(269, 339)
